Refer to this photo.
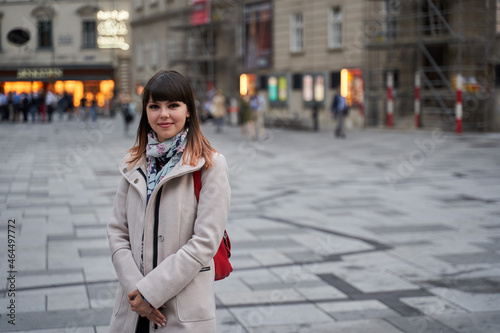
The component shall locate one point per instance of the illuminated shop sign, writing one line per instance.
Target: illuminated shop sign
(112, 29)
(39, 73)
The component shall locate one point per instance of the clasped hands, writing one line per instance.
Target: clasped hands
(143, 309)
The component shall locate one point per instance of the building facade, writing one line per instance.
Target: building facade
(78, 47)
(396, 62)
(197, 38)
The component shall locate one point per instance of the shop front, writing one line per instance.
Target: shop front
(77, 81)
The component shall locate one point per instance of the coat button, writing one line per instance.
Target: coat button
(136, 180)
(125, 170)
(160, 238)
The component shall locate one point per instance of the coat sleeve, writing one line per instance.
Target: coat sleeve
(119, 241)
(178, 270)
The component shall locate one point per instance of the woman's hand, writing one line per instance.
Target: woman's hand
(143, 309)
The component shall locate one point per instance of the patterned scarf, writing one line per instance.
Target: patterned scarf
(167, 154)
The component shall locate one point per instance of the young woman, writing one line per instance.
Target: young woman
(163, 239)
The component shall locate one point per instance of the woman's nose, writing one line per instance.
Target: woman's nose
(164, 112)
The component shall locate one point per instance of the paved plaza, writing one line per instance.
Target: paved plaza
(383, 232)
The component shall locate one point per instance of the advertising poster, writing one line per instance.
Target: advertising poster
(313, 89)
(258, 29)
(277, 88)
(201, 12)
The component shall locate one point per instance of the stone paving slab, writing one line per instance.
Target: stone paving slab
(328, 235)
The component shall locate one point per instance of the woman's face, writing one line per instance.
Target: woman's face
(166, 118)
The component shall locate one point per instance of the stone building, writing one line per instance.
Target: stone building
(80, 47)
(299, 53)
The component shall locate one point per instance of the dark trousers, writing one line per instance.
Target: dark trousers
(142, 325)
(339, 131)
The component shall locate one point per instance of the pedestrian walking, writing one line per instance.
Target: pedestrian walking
(247, 118)
(70, 106)
(339, 110)
(61, 106)
(4, 106)
(34, 110)
(16, 103)
(162, 239)
(93, 109)
(127, 111)
(258, 105)
(50, 104)
(84, 111)
(219, 110)
(25, 106)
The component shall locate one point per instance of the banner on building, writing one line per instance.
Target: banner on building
(201, 12)
(258, 34)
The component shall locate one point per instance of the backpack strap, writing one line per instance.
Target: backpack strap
(197, 183)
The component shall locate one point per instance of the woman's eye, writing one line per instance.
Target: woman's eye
(153, 106)
(174, 105)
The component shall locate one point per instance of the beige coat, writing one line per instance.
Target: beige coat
(187, 237)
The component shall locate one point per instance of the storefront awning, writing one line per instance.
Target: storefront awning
(54, 73)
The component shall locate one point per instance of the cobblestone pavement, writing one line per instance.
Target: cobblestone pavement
(384, 231)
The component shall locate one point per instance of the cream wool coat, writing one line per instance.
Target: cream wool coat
(188, 236)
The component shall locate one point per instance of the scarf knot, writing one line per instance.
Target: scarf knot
(164, 154)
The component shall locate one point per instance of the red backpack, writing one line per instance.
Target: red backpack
(221, 259)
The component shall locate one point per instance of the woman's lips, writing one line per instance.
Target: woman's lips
(165, 125)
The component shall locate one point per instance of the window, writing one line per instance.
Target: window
(89, 34)
(139, 56)
(297, 33)
(154, 56)
(138, 4)
(44, 34)
(390, 11)
(153, 2)
(335, 22)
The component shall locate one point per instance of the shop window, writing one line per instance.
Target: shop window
(296, 32)
(335, 27)
(44, 34)
(89, 39)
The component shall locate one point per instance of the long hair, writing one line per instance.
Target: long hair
(173, 86)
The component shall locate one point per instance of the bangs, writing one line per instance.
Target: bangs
(167, 87)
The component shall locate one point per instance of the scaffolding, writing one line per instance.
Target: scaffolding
(205, 52)
(436, 41)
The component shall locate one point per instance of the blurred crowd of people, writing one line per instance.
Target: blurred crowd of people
(40, 107)
(252, 108)
(35, 107)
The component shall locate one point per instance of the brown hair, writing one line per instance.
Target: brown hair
(173, 86)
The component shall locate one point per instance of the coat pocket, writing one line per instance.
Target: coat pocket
(196, 302)
(118, 300)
